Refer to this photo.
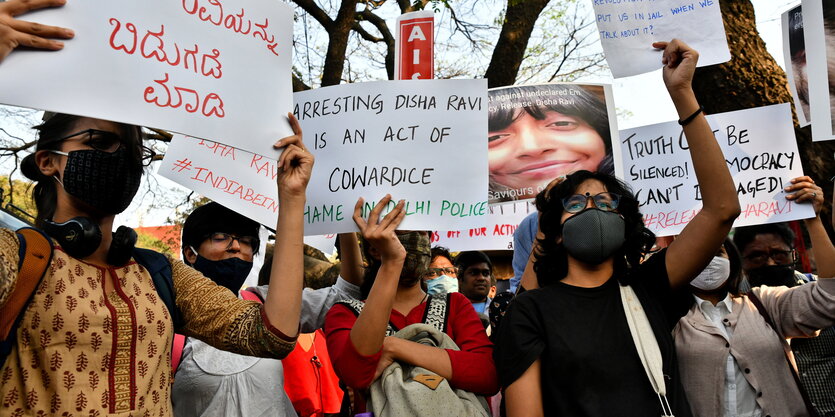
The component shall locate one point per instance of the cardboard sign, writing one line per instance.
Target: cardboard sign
(794, 55)
(628, 29)
(761, 154)
(539, 132)
(207, 68)
(417, 140)
(415, 49)
(502, 222)
(819, 35)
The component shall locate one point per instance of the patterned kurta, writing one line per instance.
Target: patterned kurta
(81, 352)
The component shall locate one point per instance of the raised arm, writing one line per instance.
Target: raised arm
(369, 331)
(803, 190)
(14, 32)
(350, 259)
(698, 242)
(283, 304)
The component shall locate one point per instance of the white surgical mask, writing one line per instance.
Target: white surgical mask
(714, 275)
(442, 284)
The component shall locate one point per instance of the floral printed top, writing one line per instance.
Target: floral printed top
(81, 352)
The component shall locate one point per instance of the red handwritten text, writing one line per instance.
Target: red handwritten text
(189, 99)
(236, 22)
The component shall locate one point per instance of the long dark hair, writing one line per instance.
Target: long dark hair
(551, 258)
(56, 126)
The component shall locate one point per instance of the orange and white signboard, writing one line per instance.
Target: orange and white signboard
(415, 52)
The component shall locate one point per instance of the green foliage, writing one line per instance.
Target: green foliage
(146, 241)
(16, 196)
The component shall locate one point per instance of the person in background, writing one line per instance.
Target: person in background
(475, 278)
(397, 262)
(769, 258)
(441, 276)
(523, 241)
(221, 243)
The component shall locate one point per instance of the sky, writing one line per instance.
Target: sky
(642, 100)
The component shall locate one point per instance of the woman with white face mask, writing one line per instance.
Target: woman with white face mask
(731, 362)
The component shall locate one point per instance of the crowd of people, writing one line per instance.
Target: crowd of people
(599, 321)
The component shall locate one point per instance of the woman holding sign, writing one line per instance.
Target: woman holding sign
(92, 330)
(595, 339)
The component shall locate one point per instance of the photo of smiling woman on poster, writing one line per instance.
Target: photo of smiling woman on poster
(539, 132)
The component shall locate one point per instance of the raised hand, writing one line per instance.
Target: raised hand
(679, 64)
(14, 32)
(295, 164)
(803, 189)
(381, 233)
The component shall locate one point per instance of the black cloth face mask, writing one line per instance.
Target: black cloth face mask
(230, 273)
(772, 276)
(593, 235)
(106, 181)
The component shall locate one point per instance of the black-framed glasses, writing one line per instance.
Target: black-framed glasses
(105, 141)
(605, 201)
(224, 240)
(780, 257)
(436, 272)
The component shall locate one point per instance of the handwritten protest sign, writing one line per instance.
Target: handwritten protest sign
(539, 132)
(207, 68)
(502, 221)
(419, 140)
(422, 141)
(761, 154)
(794, 55)
(628, 29)
(819, 36)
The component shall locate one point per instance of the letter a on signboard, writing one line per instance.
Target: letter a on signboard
(415, 57)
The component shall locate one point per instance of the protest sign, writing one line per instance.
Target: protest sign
(794, 56)
(415, 48)
(199, 67)
(761, 154)
(628, 29)
(539, 132)
(819, 35)
(422, 141)
(497, 234)
(418, 140)
(325, 243)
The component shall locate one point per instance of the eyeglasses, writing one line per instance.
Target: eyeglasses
(224, 240)
(476, 271)
(104, 141)
(604, 201)
(780, 257)
(436, 272)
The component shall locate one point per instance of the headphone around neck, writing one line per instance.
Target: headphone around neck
(81, 236)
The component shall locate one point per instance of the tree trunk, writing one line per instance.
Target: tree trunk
(753, 79)
(513, 40)
(338, 43)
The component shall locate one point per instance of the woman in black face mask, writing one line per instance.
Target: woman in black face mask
(594, 339)
(95, 335)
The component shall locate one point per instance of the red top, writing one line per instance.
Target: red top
(473, 369)
(309, 379)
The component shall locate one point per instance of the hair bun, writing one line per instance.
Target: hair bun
(30, 169)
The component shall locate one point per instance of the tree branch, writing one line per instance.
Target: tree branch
(317, 13)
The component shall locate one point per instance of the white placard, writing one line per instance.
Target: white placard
(628, 29)
(761, 153)
(502, 222)
(369, 140)
(819, 35)
(418, 140)
(794, 56)
(207, 68)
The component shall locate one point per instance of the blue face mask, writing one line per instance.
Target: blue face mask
(230, 273)
(442, 284)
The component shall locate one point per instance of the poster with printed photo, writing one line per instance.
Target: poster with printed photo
(794, 55)
(819, 37)
(539, 132)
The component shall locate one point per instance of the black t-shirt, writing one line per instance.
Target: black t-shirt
(590, 366)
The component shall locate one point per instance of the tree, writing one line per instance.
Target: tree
(753, 79)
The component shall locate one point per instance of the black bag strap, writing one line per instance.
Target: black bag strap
(787, 352)
(437, 311)
(356, 307)
(159, 268)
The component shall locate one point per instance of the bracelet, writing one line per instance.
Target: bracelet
(691, 117)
